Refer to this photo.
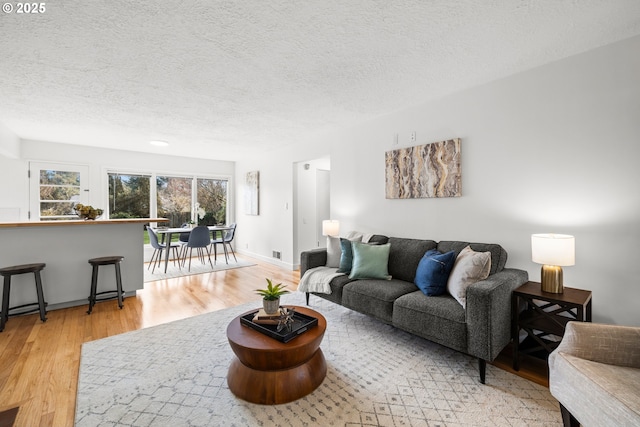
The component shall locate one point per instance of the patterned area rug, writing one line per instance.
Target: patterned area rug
(197, 267)
(175, 375)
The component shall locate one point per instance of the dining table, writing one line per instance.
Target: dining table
(168, 232)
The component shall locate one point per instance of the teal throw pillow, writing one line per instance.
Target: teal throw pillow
(433, 272)
(346, 258)
(370, 261)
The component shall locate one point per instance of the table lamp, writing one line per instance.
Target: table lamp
(330, 227)
(553, 251)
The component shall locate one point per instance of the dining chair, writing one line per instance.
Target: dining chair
(225, 240)
(159, 249)
(200, 240)
(183, 238)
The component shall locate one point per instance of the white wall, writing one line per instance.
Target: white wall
(9, 143)
(306, 205)
(272, 229)
(554, 149)
(10, 167)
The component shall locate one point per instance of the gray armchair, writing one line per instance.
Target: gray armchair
(595, 375)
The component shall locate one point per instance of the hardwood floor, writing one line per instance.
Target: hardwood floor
(39, 362)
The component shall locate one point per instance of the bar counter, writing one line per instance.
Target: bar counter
(66, 247)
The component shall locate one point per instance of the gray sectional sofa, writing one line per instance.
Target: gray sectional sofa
(481, 329)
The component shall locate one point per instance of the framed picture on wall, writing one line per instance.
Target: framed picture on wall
(430, 170)
(252, 193)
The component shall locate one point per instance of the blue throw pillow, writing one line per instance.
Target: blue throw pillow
(346, 258)
(433, 272)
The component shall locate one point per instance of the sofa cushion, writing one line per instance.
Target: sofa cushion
(375, 297)
(370, 261)
(440, 319)
(498, 254)
(405, 255)
(336, 284)
(470, 267)
(433, 271)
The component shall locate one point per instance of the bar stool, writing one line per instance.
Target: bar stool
(7, 272)
(117, 293)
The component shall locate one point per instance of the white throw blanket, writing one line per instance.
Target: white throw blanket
(317, 280)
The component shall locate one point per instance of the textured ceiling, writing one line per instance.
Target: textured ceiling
(219, 79)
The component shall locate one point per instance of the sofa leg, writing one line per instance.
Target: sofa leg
(568, 420)
(307, 295)
(482, 368)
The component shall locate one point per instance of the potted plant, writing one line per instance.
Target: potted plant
(271, 296)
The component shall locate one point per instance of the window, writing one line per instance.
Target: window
(174, 199)
(180, 199)
(129, 196)
(55, 189)
(212, 199)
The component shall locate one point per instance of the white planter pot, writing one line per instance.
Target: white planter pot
(271, 307)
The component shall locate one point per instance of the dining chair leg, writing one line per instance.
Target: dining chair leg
(158, 259)
(232, 251)
(209, 255)
(176, 256)
(226, 255)
(183, 254)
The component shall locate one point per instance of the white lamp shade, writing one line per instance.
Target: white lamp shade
(553, 249)
(330, 227)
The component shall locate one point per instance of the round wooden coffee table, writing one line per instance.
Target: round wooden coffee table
(269, 372)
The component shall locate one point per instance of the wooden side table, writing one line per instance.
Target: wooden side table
(545, 315)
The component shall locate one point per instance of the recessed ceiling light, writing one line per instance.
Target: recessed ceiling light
(159, 143)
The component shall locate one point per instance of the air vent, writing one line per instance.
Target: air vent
(277, 255)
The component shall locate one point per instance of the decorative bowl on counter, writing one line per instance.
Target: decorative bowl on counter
(87, 212)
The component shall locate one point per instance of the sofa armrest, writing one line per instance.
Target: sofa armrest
(610, 344)
(312, 259)
(488, 312)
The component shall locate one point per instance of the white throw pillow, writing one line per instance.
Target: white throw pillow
(333, 252)
(357, 236)
(470, 267)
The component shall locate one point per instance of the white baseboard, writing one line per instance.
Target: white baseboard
(279, 263)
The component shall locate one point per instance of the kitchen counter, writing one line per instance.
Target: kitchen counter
(80, 222)
(66, 247)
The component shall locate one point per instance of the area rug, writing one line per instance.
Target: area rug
(175, 375)
(197, 267)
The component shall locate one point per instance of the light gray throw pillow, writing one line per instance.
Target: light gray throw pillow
(470, 267)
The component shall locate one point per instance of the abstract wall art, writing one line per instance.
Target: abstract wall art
(252, 193)
(430, 170)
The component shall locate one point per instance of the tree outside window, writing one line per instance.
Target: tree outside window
(212, 198)
(174, 199)
(129, 196)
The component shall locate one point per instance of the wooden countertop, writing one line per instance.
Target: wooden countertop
(79, 222)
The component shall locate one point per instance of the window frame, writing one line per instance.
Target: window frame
(34, 168)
